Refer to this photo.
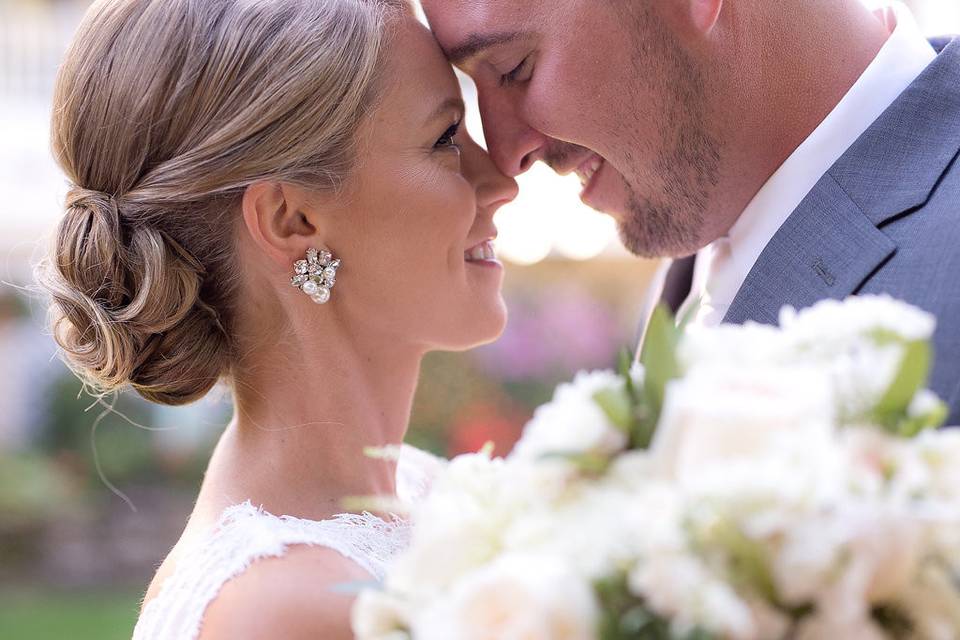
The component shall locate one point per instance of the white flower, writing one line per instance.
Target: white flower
(751, 498)
(513, 598)
(749, 344)
(877, 549)
(837, 322)
(463, 523)
(843, 338)
(939, 453)
(678, 586)
(933, 601)
(458, 526)
(378, 615)
(595, 528)
(573, 423)
(819, 627)
(717, 417)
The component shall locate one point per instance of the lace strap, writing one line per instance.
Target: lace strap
(245, 534)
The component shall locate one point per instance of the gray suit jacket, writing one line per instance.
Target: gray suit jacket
(884, 219)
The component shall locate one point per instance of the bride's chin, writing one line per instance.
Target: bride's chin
(497, 325)
(482, 328)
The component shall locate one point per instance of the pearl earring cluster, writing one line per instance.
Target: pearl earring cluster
(316, 275)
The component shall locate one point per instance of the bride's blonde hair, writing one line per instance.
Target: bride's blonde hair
(164, 112)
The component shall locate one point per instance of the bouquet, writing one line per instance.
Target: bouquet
(743, 482)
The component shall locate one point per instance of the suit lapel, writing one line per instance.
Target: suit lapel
(832, 243)
(826, 249)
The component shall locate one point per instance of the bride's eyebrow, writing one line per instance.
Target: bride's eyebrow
(448, 105)
(476, 43)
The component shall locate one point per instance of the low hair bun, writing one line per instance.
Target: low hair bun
(127, 305)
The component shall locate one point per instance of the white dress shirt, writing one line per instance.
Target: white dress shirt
(722, 267)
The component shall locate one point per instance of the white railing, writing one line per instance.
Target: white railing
(33, 38)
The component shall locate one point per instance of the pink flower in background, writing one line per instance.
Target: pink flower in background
(551, 335)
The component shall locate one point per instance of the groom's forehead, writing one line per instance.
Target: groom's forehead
(462, 23)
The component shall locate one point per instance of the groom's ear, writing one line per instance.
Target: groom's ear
(277, 219)
(704, 14)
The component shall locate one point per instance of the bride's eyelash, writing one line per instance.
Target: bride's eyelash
(447, 139)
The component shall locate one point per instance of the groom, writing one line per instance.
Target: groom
(781, 152)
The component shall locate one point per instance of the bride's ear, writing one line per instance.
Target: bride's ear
(704, 14)
(277, 220)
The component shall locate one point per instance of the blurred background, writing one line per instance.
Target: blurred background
(93, 496)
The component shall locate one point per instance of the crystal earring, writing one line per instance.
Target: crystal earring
(316, 275)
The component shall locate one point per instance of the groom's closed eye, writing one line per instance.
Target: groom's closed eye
(517, 75)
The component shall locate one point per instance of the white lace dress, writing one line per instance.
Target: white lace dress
(245, 533)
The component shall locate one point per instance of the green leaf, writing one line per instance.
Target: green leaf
(911, 427)
(588, 463)
(891, 411)
(625, 616)
(659, 358)
(912, 376)
(688, 315)
(624, 368)
(616, 405)
(748, 562)
(625, 361)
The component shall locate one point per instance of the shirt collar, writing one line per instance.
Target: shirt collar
(899, 62)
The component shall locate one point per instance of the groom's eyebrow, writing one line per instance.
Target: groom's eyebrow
(476, 43)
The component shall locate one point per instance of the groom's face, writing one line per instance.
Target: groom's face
(603, 88)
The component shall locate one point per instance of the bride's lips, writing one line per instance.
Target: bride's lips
(482, 254)
(588, 173)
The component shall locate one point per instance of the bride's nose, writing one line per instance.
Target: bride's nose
(493, 188)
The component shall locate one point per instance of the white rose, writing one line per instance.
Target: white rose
(933, 601)
(514, 598)
(849, 559)
(599, 528)
(458, 526)
(378, 615)
(573, 423)
(718, 417)
(818, 627)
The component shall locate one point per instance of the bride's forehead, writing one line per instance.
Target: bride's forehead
(416, 66)
(413, 42)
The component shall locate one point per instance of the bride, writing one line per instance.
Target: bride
(275, 193)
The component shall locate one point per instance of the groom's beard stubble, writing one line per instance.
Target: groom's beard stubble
(667, 187)
(667, 219)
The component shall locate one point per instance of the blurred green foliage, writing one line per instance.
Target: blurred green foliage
(108, 615)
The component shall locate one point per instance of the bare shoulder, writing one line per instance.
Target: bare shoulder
(294, 596)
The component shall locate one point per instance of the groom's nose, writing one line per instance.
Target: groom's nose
(513, 144)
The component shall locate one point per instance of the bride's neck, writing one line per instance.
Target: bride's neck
(307, 409)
